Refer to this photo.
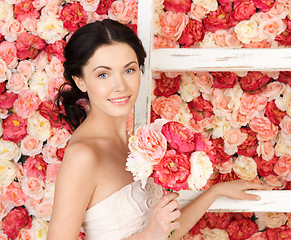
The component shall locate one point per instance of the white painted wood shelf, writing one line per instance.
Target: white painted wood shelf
(220, 59)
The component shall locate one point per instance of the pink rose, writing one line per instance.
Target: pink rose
(54, 85)
(7, 100)
(163, 42)
(166, 86)
(275, 181)
(224, 79)
(55, 68)
(173, 24)
(264, 127)
(270, 28)
(25, 234)
(26, 104)
(28, 45)
(225, 2)
(274, 113)
(218, 220)
(35, 166)
(33, 187)
(8, 54)
(25, 9)
(261, 44)
(264, 5)
(59, 137)
(74, 16)
(3, 236)
(203, 81)
(44, 210)
(249, 146)
(30, 25)
(273, 90)
(216, 20)
(56, 49)
(16, 219)
(193, 32)
(49, 153)
(26, 68)
(265, 168)
(13, 193)
(12, 30)
(285, 125)
(167, 107)
(172, 171)
(200, 108)
(150, 143)
(266, 150)
(52, 171)
(4, 72)
(283, 166)
(254, 81)
(197, 12)
(179, 137)
(17, 83)
(104, 6)
(123, 11)
(14, 128)
(252, 104)
(30, 146)
(243, 10)
(177, 5)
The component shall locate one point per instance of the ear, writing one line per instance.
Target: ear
(80, 83)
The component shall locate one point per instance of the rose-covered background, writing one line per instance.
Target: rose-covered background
(33, 35)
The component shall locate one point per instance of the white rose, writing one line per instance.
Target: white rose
(245, 167)
(210, 5)
(246, 30)
(49, 153)
(271, 219)
(188, 90)
(184, 115)
(208, 41)
(201, 169)
(51, 29)
(9, 150)
(6, 12)
(40, 228)
(38, 127)
(89, 5)
(281, 148)
(214, 234)
(38, 83)
(8, 172)
(140, 169)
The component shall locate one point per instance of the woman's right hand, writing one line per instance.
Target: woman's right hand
(163, 217)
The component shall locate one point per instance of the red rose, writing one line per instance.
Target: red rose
(7, 100)
(166, 86)
(254, 81)
(241, 215)
(60, 153)
(16, 219)
(264, 5)
(183, 6)
(224, 79)
(279, 233)
(104, 6)
(201, 224)
(249, 146)
(74, 16)
(284, 38)
(218, 220)
(193, 32)
(241, 229)
(172, 171)
(14, 128)
(154, 116)
(285, 77)
(265, 168)
(217, 151)
(243, 10)
(225, 2)
(25, 9)
(48, 110)
(35, 167)
(200, 108)
(274, 113)
(179, 137)
(227, 177)
(2, 87)
(28, 45)
(288, 185)
(56, 49)
(216, 20)
(133, 27)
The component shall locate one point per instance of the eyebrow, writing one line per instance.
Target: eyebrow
(109, 68)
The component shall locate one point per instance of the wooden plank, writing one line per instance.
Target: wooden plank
(271, 201)
(221, 59)
(144, 31)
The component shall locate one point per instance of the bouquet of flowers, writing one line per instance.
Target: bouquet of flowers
(169, 152)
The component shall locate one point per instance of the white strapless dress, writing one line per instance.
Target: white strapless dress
(123, 213)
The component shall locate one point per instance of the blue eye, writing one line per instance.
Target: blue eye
(102, 75)
(129, 71)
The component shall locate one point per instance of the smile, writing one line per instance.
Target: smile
(120, 101)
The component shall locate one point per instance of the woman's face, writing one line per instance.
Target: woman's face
(112, 79)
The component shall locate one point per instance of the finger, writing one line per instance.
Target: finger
(258, 186)
(166, 199)
(171, 206)
(174, 225)
(174, 215)
(252, 197)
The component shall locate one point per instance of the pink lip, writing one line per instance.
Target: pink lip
(119, 101)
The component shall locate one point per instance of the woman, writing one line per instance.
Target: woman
(103, 64)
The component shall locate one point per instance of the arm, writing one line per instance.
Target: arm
(74, 188)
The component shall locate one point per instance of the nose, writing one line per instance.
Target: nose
(119, 83)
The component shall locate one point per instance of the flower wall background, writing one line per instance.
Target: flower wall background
(239, 110)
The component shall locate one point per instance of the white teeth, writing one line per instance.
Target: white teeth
(119, 100)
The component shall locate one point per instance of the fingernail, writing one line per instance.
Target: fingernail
(258, 197)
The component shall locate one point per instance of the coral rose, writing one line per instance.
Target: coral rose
(218, 220)
(274, 113)
(35, 167)
(151, 144)
(241, 229)
(200, 108)
(224, 79)
(216, 20)
(265, 168)
(167, 107)
(104, 6)
(283, 166)
(172, 171)
(166, 86)
(193, 32)
(264, 127)
(14, 128)
(254, 81)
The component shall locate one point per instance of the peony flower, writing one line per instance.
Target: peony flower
(217, 151)
(200, 108)
(8, 172)
(148, 142)
(283, 166)
(284, 77)
(179, 137)
(38, 126)
(9, 150)
(30, 146)
(245, 167)
(220, 220)
(56, 49)
(193, 32)
(274, 113)
(26, 104)
(201, 169)
(7, 100)
(16, 83)
(8, 54)
(214, 234)
(271, 220)
(172, 171)
(243, 10)
(224, 79)
(24, 10)
(167, 107)
(265, 168)
(35, 167)
(188, 89)
(282, 232)
(264, 5)
(254, 81)
(166, 86)
(104, 6)
(14, 128)
(242, 229)
(14, 194)
(264, 128)
(216, 20)
(246, 30)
